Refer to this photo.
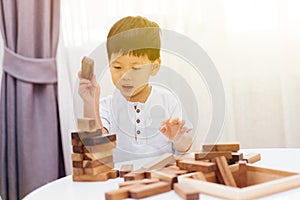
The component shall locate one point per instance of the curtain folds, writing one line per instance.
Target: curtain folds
(30, 137)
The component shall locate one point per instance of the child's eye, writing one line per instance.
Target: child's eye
(117, 67)
(136, 68)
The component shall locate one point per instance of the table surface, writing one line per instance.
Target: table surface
(283, 159)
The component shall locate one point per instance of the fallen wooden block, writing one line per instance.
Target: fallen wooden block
(125, 169)
(196, 165)
(121, 193)
(199, 176)
(186, 192)
(169, 178)
(242, 174)
(252, 157)
(144, 182)
(149, 190)
(212, 154)
(221, 147)
(176, 171)
(160, 162)
(114, 173)
(86, 124)
(223, 172)
(87, 68)
(98, 140)
(135, 175)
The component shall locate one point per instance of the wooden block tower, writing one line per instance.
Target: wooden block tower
(92, 157)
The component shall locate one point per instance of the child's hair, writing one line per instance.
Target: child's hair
(135, 36)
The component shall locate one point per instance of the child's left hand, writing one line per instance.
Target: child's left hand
(173, 129)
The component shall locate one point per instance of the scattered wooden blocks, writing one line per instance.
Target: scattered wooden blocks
(186, 192)
(144, 181)
(163, 176)
(135, 175)
(236, 157)
(242, 174)
(87, 68)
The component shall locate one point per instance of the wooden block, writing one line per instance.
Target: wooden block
(163, 176)
(252, 157)
(223, 172)
(100, 147)
(186, 192)
(77, 149)
(121, 193)
(86, 124)
(87, 68)
(236, 157)
(96, 163)
(143, 181)
(160, 162)
(97, 140)
(149, 190)
(76, 142)
(221, 147)
(91, 178)
(114, 173)
(196, 165)
(147, 174)
(77, 164)
(98, 169)
(176, 171)
(210, 177)
(97, 156)
(78, 171)
(77, 157)
(83, 134)
(212, 154)
(199, 176)
(242, 174)
(125, 169)
(135, 175)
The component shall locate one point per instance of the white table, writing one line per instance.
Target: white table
(65, 188)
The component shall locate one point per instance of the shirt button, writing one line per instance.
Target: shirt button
(138, 131)
(138, 121)
(138, 110)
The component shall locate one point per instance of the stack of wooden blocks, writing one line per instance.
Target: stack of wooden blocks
(92, 157)
(211, 164)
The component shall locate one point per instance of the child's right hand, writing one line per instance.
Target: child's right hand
(87, 89)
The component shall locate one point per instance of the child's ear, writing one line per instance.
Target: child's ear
(155, 67)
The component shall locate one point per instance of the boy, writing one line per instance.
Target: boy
(137, 112)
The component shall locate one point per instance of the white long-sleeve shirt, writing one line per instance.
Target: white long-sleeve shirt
(137, 124)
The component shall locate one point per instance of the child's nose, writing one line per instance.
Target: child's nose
(127, 75)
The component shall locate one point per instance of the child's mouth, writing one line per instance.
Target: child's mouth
(127, 88)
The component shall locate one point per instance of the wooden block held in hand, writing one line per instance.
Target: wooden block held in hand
(224, 174)
(86, 124)
(186, 192)
(125, 169)
(87, 68)
(149, 190)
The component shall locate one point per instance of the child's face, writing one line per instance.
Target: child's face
(130, 74)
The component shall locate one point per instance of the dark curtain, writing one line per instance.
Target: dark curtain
(30, 138)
